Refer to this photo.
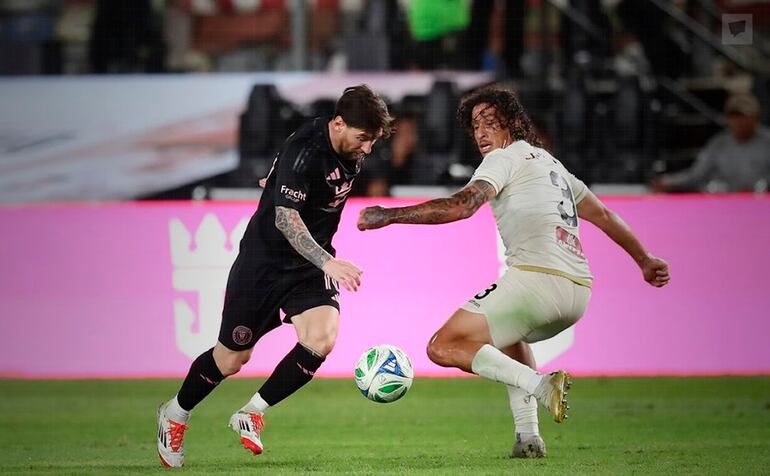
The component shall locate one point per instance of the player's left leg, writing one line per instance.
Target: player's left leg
(571, 300)
(310, 301)
(316, 332)
(316, 335)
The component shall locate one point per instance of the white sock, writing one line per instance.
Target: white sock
(491, 363)
(524, 412)
(175, 412)
(256, 405)
(533, 382)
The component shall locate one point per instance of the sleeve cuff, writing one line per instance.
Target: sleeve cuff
(489, 180)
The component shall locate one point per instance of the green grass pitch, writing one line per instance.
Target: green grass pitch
(442, 426)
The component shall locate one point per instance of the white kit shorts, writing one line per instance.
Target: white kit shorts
(529, 306)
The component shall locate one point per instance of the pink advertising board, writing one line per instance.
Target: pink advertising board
(135, 289)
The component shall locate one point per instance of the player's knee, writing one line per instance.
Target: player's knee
(230, 362)
(439, 352)
(230, 367)
(320, 343)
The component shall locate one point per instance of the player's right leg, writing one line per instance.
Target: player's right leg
(532, 447)
(571, 300)
(206, 372)
(238, 334)
(527, 443)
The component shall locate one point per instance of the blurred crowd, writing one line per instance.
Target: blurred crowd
(571, 46)
(147, 36)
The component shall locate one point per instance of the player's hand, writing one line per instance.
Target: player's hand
(655, 271)
(344, 272)
(372, 218)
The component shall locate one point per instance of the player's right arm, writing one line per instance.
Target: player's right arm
(590, 208)
(459, 206)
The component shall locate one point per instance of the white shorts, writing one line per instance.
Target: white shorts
(529, 306)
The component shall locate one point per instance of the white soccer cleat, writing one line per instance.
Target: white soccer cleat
(552, 394)
(532, 447)
(170, 439)
(248, 425)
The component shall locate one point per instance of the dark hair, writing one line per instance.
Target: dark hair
(508, 110)
(362, 108)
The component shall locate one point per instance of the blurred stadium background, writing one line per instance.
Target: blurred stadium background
(132, 137)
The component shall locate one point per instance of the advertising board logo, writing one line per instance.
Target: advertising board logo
(200, 266)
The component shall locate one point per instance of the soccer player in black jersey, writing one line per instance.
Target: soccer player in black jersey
(286, 262)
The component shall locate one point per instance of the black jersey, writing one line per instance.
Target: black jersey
(308, 176)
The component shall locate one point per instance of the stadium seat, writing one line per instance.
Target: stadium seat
(439, 134)
(266, 122)
(573, 125)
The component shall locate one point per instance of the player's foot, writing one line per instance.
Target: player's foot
(532, 447)
(552, 394)
(248, 425)
(170, 439)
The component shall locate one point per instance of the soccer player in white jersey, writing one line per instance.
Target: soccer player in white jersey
(547, 284)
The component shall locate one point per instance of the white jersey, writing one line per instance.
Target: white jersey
(535, 208)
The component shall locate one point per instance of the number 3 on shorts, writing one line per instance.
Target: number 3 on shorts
(486, 292)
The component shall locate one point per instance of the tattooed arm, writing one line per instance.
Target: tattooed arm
(288, 222)
(459, 206)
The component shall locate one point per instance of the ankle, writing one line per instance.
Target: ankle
(526, 435)
(175, 412)
(533, 382)
(256, 405)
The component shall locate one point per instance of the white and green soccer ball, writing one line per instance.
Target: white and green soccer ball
(384, 373)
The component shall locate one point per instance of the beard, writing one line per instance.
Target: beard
(353, 155)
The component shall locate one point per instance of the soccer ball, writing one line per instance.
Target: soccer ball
(384, 373)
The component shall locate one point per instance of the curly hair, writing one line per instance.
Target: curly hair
(508, 110)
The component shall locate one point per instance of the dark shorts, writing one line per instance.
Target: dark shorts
(256, 292)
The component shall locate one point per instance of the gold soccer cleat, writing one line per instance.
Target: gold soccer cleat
(552, 394)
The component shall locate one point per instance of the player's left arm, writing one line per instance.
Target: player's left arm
(459, 206)
(654, 269)
(289, 222)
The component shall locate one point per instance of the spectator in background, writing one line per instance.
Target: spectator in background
(477, 35)
(647, 22)
(436, 27)
(735, 160)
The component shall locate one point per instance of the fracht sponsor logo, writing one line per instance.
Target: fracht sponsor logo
(291, 194)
